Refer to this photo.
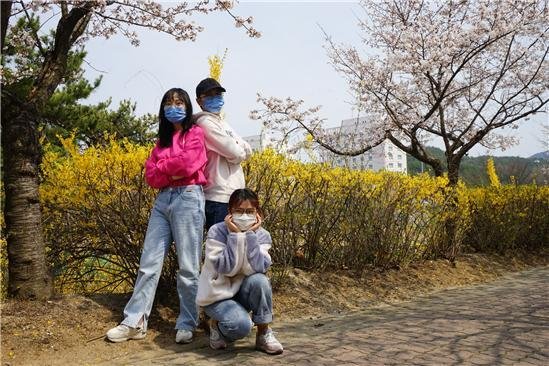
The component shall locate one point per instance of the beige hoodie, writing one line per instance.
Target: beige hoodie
(231, 257)
(225, 150)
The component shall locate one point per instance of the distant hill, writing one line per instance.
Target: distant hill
(473, 169)
(544, 155)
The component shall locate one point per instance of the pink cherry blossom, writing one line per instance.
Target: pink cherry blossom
(452, 71)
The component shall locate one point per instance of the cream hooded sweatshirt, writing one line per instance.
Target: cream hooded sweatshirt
(225, 150)
(230, 257)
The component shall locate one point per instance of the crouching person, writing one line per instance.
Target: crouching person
(233, 281)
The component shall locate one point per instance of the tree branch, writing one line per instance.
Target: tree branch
(34, 34)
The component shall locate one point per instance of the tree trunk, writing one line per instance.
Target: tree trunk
(5, 18)
(453, 173)
(452, 243)
(438, 169)
(28, 273)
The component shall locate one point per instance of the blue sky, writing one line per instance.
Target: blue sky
(287, 61)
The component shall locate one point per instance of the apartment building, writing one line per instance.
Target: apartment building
(385, 156)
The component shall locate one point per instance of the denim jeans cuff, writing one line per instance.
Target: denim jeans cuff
(262, 319)
(133, 321)
(185, 328)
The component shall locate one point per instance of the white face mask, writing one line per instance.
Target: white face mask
(244, 221)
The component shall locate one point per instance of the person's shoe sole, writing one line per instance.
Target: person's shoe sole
(217, 348)
(184, 341)
(135, 337)
(269, 353)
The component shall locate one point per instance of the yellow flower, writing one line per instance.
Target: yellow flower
(216, 65)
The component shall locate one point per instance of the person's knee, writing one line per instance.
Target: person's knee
(258, 281)
(189, 274)
(148, 272)
(236, 328)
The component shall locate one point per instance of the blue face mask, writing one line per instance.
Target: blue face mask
(174, 114)
(213, 104)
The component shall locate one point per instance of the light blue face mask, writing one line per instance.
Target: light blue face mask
(214, 103)
(174, 114)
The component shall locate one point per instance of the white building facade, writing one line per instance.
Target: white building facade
(254, 141)
(385, 156)
(262, 141)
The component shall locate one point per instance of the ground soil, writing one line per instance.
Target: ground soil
(71, 329)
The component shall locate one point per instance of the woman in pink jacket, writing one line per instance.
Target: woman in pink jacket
(176, 167)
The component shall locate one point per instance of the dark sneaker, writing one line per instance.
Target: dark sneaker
(268, 343)
(216, 339)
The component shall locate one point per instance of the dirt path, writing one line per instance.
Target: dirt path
(505, 322)
(70, 329)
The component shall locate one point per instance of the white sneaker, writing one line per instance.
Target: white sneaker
(123, 333)
(268, 343)
(183, 336)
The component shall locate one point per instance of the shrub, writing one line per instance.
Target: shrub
(507, 219)
(321, 217)
(96, 208)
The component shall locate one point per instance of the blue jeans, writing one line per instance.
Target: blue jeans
(255, 295)
(215, 212)
(177, 215)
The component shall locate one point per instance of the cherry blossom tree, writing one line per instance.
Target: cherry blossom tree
(27, 88)
(455, 71)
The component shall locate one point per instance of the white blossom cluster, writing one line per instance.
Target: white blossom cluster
(109, 17)
(451, 70)
(456, 71)
(112, 17)
(288, 118)
(105, 18)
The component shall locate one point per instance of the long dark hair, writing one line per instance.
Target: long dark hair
(166, 129)
(244, 194)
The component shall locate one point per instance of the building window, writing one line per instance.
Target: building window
(399, 156)
(390, 147)
(390, 155)
(400, 165)
(391, 165)
(370, 166)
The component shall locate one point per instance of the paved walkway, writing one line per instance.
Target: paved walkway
(505, 322)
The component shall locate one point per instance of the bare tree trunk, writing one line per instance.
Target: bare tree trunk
(451, 243)
(453, 173)
(438, 169)
(28, 274)
(5, 14)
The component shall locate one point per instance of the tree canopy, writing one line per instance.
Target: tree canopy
(42, 53)
(454, 71)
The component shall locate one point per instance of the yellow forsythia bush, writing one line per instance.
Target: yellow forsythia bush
(509, 218)
(333, 217)
(96, 208)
